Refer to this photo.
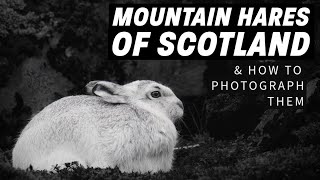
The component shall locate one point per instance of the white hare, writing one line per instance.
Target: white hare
(130, 126)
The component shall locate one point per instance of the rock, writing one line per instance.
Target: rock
(224, 102)
(266, 118)
(277, 127)
(231, 114)
(313, 96)
(37, 83)
(184, 77)
(312, 87)
(78, 65)
(284, 127)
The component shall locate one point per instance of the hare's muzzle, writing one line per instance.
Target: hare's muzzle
(180, 104)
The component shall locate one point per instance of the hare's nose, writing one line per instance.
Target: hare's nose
(180, 105)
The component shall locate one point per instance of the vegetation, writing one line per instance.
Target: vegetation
(234, 159)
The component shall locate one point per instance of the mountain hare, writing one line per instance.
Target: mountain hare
(130, 126)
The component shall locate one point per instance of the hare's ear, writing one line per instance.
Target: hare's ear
(110, 92)
(90, 86)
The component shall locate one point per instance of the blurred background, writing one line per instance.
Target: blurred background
(51, 48)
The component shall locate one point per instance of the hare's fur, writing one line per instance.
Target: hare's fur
(134, 136)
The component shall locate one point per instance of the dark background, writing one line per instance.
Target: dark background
(51, 48)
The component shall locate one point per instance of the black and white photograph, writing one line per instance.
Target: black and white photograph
(167, 89)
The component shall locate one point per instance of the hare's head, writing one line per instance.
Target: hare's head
(148, 94)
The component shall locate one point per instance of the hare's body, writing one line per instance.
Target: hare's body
(96, 133)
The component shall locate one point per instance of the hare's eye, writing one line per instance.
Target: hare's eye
(155, 94)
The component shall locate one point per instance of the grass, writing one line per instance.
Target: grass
(198, 121)
(240, 158)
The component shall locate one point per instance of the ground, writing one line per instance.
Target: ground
(240, 158)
